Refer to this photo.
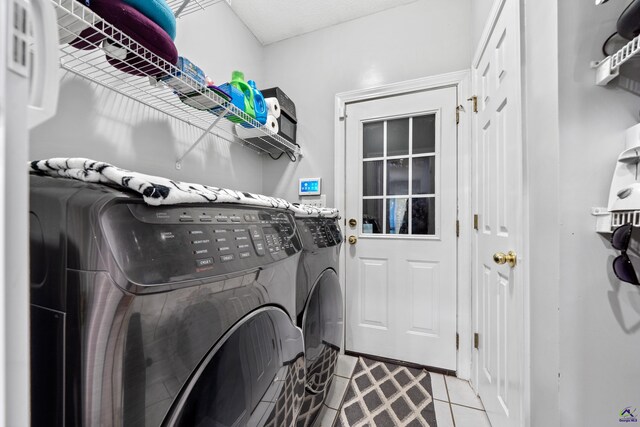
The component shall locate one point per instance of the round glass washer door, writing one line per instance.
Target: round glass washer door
(254, 376)
(322, 328)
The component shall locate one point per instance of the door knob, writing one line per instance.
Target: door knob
(509, 258)
(353, 222)
(353, 240)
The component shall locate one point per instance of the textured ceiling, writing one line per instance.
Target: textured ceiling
(274, 20)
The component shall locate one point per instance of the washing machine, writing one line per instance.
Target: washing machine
(319, 308)
(172, 315)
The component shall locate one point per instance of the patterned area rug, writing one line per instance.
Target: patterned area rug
(320, 371)
(386, 395)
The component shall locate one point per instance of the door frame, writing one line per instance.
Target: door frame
(461, 80)
(523, 250)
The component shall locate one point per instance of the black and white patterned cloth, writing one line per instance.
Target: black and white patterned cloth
(382, 394)
(158, 191)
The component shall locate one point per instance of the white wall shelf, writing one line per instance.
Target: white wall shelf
(186, 7)
(92, 65)
(609, 68)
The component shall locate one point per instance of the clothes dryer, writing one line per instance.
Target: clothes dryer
(319, 308)
(172, 315)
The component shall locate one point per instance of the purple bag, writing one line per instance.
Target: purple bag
(138, 27)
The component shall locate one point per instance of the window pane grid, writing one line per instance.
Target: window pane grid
(411, 156)
(400, 196)
(410, 209)
(398, 177)
(410, 183)
(384, 180)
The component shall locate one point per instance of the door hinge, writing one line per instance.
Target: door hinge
(458, 109)
(474, 99)
(457, 342)
(457, 228)
(476, 341)
(342, 113)
(475, 221)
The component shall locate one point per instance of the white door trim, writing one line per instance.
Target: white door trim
(462, 81)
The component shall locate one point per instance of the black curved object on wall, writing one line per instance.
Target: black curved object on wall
(629, 21)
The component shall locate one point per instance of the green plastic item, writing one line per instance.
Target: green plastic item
(237, 80)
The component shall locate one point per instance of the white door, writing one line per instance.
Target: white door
(498, 288)
(401, 192)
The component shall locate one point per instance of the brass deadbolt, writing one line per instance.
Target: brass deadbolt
(353, 222)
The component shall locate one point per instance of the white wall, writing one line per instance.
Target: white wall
(421, 39)
(599, 316)
(97, 123)
(542, 154)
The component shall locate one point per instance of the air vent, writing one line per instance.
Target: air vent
(18, 37)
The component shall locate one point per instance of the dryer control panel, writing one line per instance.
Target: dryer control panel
(160, 245)
(319, 233)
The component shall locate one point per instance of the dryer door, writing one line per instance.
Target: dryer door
(254, 376)
(322, 326)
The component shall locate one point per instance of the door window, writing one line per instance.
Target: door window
(399, 176)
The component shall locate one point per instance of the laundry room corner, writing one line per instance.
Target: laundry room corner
(310, 213)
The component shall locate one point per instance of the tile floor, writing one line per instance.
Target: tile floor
(456, 404)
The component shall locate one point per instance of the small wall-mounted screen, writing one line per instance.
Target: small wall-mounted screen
(309, 186)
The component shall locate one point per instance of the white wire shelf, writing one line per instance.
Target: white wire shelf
(186, 7)
(609, 68)
(147, 88)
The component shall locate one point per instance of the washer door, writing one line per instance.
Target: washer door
(254, 376)
(322, 326)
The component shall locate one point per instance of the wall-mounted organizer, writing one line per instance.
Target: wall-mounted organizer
(101, 53)
(624, 194)
(621, 49)
(610, 67)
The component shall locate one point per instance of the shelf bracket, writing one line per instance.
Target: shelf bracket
(603, 220)
(198, 141)
(181, 8)
(609, 68)
(604, 72)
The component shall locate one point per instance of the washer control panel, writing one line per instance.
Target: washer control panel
(318, 233)
(166, 244)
